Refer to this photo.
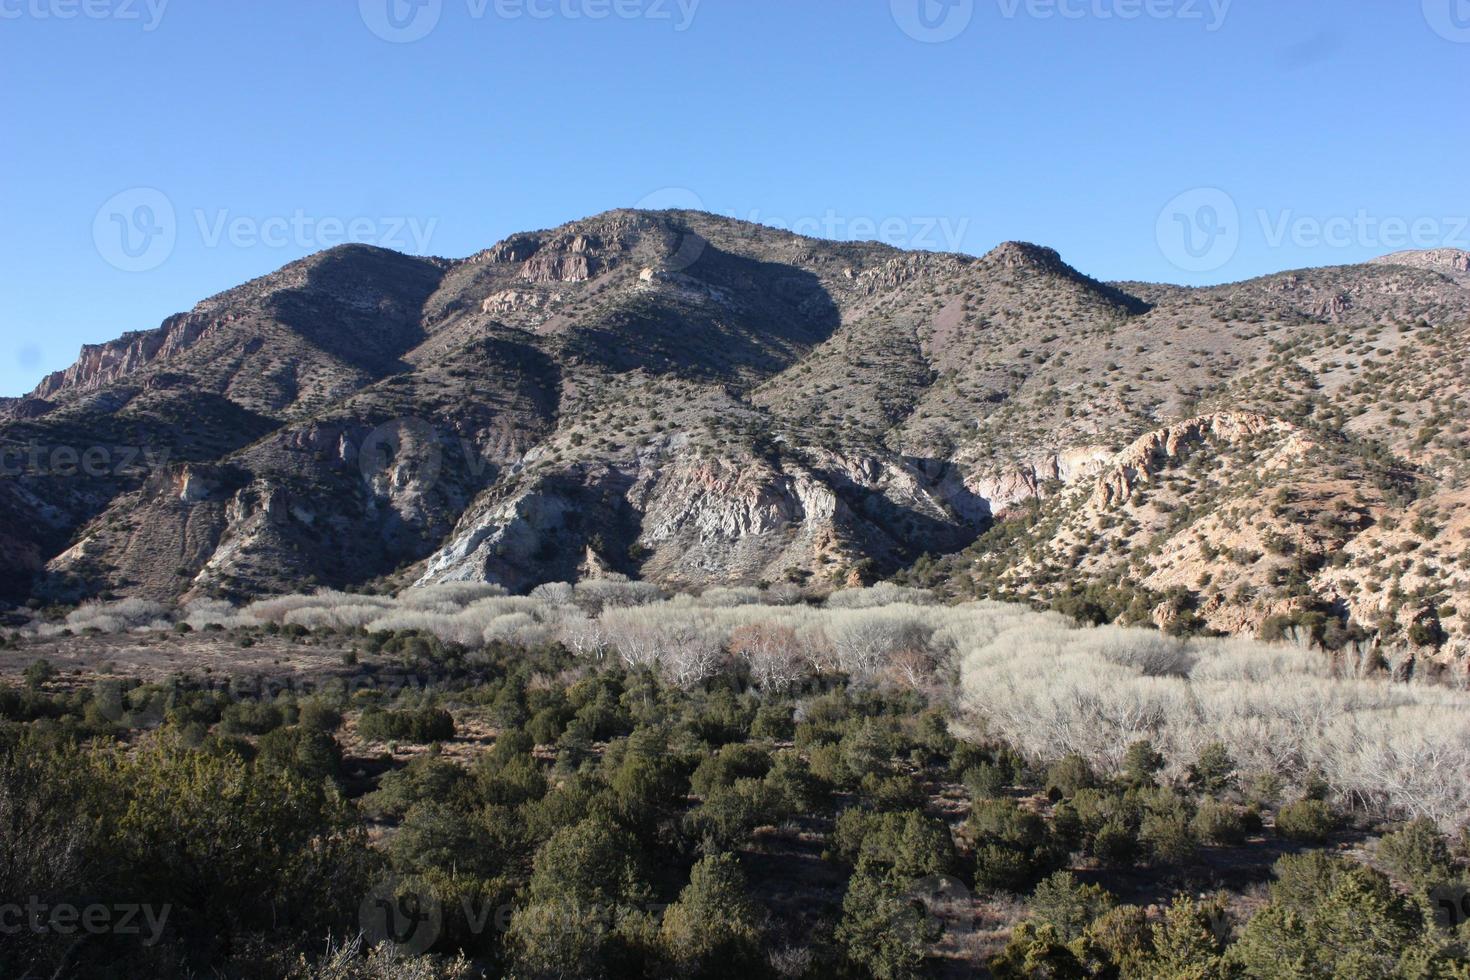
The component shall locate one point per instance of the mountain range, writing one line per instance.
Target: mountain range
(695, 400)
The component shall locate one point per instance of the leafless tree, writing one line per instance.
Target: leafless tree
(584, 637)
(773, 653)
(692, 656)
(866, 640)
(912, 667)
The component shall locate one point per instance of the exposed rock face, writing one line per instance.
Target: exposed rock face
(100, 364)
(295, 340)
(696, 400)
(566, 259)
(1028, 481)
(1334, 308)
(553, 267)
(1444, 259)
(693, 520)
(517, 248)
(516, 301)
(1023, 255)
(1146, 456)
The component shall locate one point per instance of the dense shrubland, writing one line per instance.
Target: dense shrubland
(598, 781)
(1036, 680)
(1389, 748)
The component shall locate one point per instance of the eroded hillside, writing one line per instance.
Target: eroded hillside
(696, 400)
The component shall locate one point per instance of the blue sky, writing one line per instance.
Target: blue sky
(156, 151)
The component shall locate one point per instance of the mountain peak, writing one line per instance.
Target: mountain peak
(1025, 255)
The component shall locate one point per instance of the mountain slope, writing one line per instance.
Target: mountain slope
(697, 400)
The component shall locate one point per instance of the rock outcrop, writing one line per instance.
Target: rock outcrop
(1151, 452)
(101, 364)
(1002, 490)
(1443, 259)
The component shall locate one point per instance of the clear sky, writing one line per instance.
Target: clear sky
(156, 151)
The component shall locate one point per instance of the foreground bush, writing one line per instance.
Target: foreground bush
(422, 725)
